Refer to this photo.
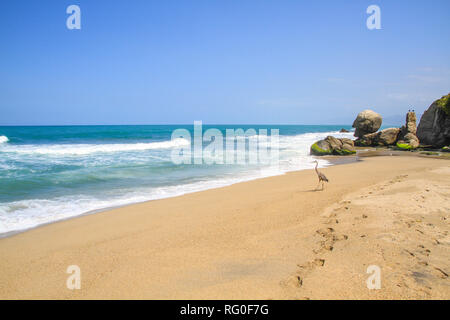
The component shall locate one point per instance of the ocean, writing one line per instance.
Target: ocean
(50, 173)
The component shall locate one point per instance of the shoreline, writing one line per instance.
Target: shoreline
(250, 240)
(119, 176)
(334, 160)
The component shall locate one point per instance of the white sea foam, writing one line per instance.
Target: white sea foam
(85, 149)
(3, 139)
(24, 214)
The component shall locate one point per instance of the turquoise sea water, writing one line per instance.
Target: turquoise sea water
(52, 173)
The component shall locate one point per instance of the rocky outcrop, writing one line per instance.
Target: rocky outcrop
(411, 122)
(407, 138)
(408, 141)
(434, 126)
(404, 137)
(384, 137)
(387, 137)
(343, 130)
(333, 146)
(366, 122)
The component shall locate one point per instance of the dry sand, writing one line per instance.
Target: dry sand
(273, 238)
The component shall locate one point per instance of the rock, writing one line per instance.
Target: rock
(410, 139)
(411, 121)
(384, 137)
(387, 137)
(347, 141)
(407, 144)
(321, 148)
(334, 143)
(343, 130)
(333, 146)
(407, 138)
(347, 149)
(367, 121)
(366, 140)
(434, 126)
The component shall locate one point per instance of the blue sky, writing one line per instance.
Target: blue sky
(256, 62)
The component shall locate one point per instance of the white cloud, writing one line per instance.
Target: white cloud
(424, 78)
(399, 96)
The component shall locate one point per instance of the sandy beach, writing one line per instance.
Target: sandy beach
(272, 238)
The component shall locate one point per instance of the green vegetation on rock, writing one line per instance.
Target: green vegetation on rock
(404, 146)
(315, 149)
(345, 152)
(444, 104)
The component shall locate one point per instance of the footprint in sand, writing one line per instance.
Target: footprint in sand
(329, 237)
(306, 268)
(325, 232)
(440, 273)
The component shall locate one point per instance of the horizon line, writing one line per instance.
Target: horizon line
(181, 124)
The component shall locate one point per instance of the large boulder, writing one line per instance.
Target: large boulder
(333, 146)
(434, 126)
(388, 136)
(384, 137)
(367, 121)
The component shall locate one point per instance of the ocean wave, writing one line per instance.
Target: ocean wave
(85, 149)
(28, 213)
(3, 139)
(21, 215)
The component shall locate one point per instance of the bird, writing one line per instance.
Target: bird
(320, 175)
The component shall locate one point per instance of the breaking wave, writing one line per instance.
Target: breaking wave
(3, 139)
(84, 149)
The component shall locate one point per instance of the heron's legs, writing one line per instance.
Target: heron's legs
(317, 188)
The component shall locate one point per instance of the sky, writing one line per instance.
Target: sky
(222, 62)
